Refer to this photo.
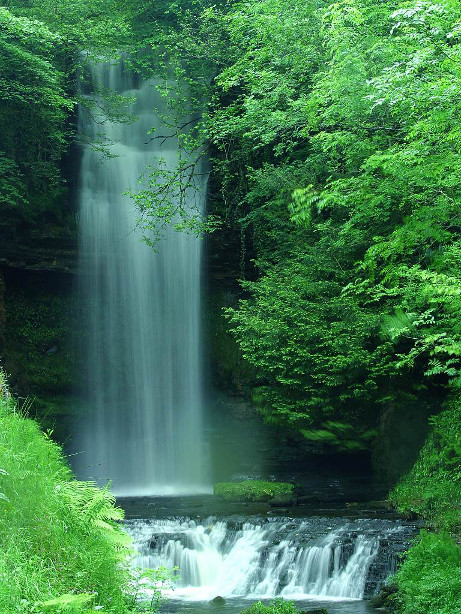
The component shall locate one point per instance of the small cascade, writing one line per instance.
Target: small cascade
(293, 559)
(141, 405)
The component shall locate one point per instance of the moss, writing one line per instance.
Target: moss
(385, 598)
(39, 318)
(255, 490)
(277, 606)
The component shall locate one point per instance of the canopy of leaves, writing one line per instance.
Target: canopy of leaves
(33, 112)
(335, 136)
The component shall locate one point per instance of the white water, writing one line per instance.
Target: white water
(291, 559)
(142, 424)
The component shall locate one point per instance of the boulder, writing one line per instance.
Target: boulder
(381, 600)
(218, 600)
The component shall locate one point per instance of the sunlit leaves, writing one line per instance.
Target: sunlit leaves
(369, 173)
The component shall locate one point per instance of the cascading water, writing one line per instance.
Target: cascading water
(143, 425)
(294, 559)
(143, 395)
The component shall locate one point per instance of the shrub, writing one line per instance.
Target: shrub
(430, 577)
(432, 488)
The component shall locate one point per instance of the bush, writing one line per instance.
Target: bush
(61, 548)
(430, 578)
(254, 490)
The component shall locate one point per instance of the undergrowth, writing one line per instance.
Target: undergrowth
(429, 579)
(432, 489)
(62, 549)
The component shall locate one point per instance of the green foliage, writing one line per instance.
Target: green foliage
(61, 545)
(307, 339)
(253, 490)
(99, 26)
(44, 46)
(33, 113)
(277, 606)
(433, 486)
(334, 139)
(13, 187)
(430, 578)
(68, 603)
(180, 48)
(332, 132)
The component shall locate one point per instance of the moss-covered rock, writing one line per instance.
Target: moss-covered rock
(385, 598)
(256, 490)
(39, 322)
(218, 600)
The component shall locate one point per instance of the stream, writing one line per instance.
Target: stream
(244, 555)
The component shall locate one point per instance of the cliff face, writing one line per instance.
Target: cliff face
(38, 248)
(38, 321)
(228, 260)
(43, 241)
(38, 256)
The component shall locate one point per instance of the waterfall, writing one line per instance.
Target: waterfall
(327, 558)
(141, 421)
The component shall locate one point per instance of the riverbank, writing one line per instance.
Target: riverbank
(61, 546)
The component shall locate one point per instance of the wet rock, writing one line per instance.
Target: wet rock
(218, 600)
(283, 500)
(380, 505)
(382, 599)
(157, 542)
(385, 563)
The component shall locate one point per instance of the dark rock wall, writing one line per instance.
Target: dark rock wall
(402, 432)
(226, 262)
(45, 244)
(39, 320)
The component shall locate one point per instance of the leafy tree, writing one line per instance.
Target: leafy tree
(33, 112)
(342, 157)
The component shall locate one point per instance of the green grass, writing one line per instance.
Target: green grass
(254, 490)
(61, 547)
